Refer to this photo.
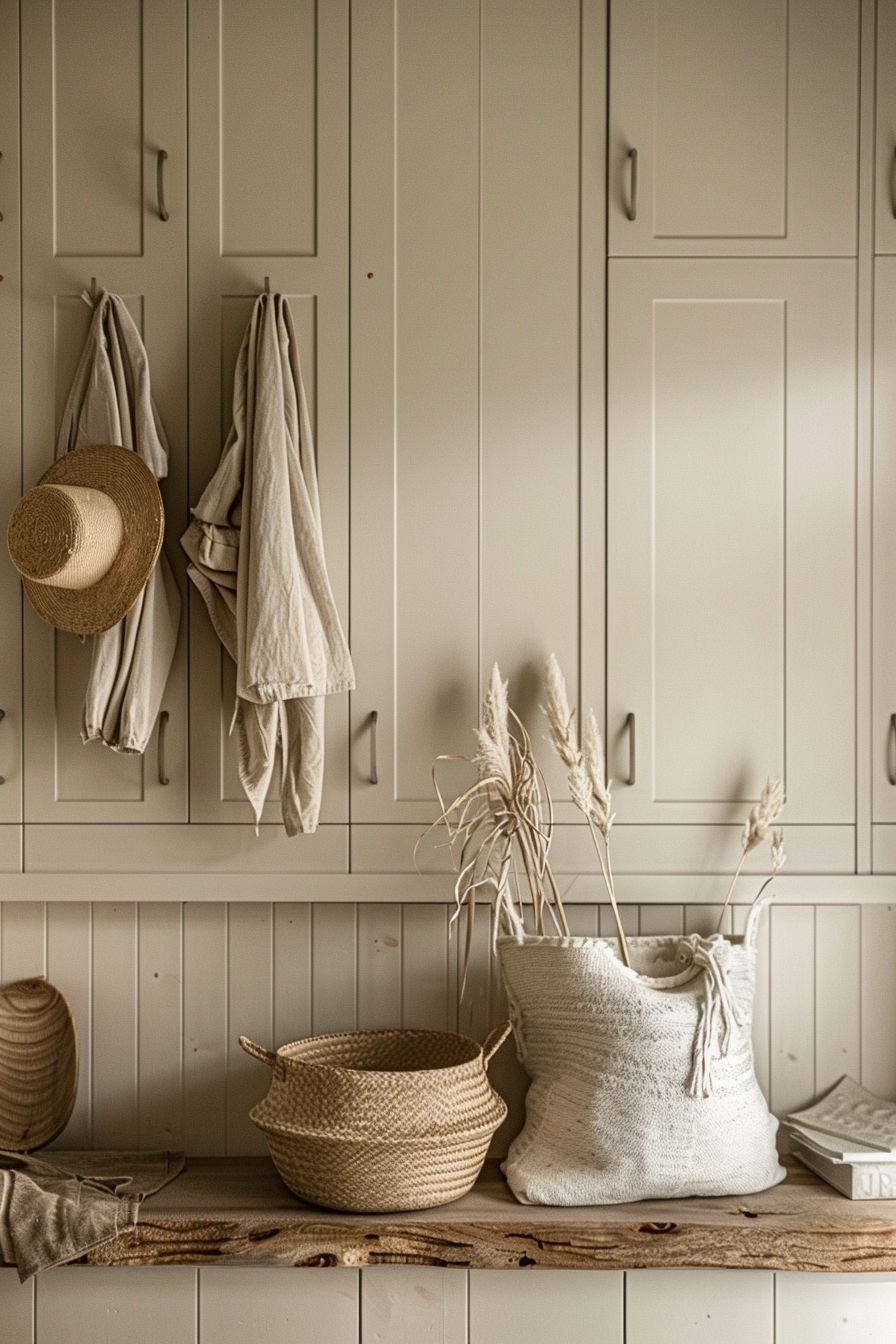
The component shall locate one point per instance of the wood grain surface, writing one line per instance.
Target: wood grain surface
(236, 1210)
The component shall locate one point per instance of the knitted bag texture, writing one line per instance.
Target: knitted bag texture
(643, 1084)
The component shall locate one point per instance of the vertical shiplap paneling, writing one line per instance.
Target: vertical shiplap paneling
(249, 1013)
(657, 919)
(205, 1028)
(704, 919)
(292, 972)
(16, 1309)
(429, 968)
(700, 1306)
(835, 1309)
(630, 916)
(379, 966)
(583, 920)
(761, 994)
(69, 968)
(334, 931)
(792, 1077)
(160, 1035)
(410, 1305)
(91, 1305)
(474, 1009)
(546, 1305)
(22, 941)
(879, 998)
(838, 994)
(242, 1304)
(114, 1020)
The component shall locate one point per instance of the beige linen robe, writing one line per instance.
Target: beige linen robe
(257, 557)
(111, 402)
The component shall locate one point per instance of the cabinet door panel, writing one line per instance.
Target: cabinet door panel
(90, 209)
(473, 443)
(273, 202)
(885, 141)
(883, 726)
(731, 566)
(745, 123)
(10, 421)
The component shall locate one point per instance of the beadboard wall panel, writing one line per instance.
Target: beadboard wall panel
(161, 992)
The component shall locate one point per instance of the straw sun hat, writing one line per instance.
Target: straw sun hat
(86, 537)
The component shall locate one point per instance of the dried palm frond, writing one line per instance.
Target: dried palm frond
(589, 788)
(763, 814)
(500, 828)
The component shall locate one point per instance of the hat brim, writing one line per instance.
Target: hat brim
(128, 481)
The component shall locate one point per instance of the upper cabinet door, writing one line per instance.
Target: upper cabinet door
(105, 92)
(10, 428)
(883, 716)
(269, 104)
(731, 605)
(475, 439)
(885, 139)
(733, 127)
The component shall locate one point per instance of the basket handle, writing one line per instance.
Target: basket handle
(258, 1052)
(494, 1040)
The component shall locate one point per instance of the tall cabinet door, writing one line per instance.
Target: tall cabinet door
(883, 717)
(731, 631)
(10, 438)
(475, 437)
(885, 139)
(269, 103)
(105, 93)
(733, 127)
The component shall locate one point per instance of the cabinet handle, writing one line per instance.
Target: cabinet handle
(631, 211)
(891, 743)
(2, 717)
(630, 725)
(893, 184)
(163, 724)
(160, 184)
(374, 773)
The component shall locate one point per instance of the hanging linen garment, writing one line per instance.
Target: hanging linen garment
(257, 557)
(111, 402)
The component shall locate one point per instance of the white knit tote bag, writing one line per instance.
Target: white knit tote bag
(643, 1085)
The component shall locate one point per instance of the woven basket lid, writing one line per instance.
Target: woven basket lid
(86, 537)
(38, 1065)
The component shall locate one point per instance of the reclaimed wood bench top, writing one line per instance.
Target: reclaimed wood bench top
(236, 1210)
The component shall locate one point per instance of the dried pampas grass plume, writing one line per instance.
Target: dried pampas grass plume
(763, 814)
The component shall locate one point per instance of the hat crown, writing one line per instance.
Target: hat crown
(65, 536)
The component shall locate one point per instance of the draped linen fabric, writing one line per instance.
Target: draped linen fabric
(111, 402)
(643, 1084)
(57, 1207)
(257, 557)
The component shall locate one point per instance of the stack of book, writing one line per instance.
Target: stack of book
(849, 1139)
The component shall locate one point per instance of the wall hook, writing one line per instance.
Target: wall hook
(267, 284)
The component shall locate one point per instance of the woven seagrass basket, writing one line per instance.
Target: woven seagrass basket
(377, 1121)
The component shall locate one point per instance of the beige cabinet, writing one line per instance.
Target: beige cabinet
(477, 399)
(731, 538)
(269, 101)
(105, 92)
(883, 715)
(10, 438)
(885, 139)
(733, 127)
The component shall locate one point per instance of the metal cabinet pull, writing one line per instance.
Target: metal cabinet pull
(630, 725)
(893, 183)
(631, 212)
(163, 724)
(891, 750)
(374, 773)
(160, 184)
(2, 717)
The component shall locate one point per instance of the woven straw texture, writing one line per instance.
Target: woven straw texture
(43, 521)
(377, 1121)
(38, 1065)
(643, 1084)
